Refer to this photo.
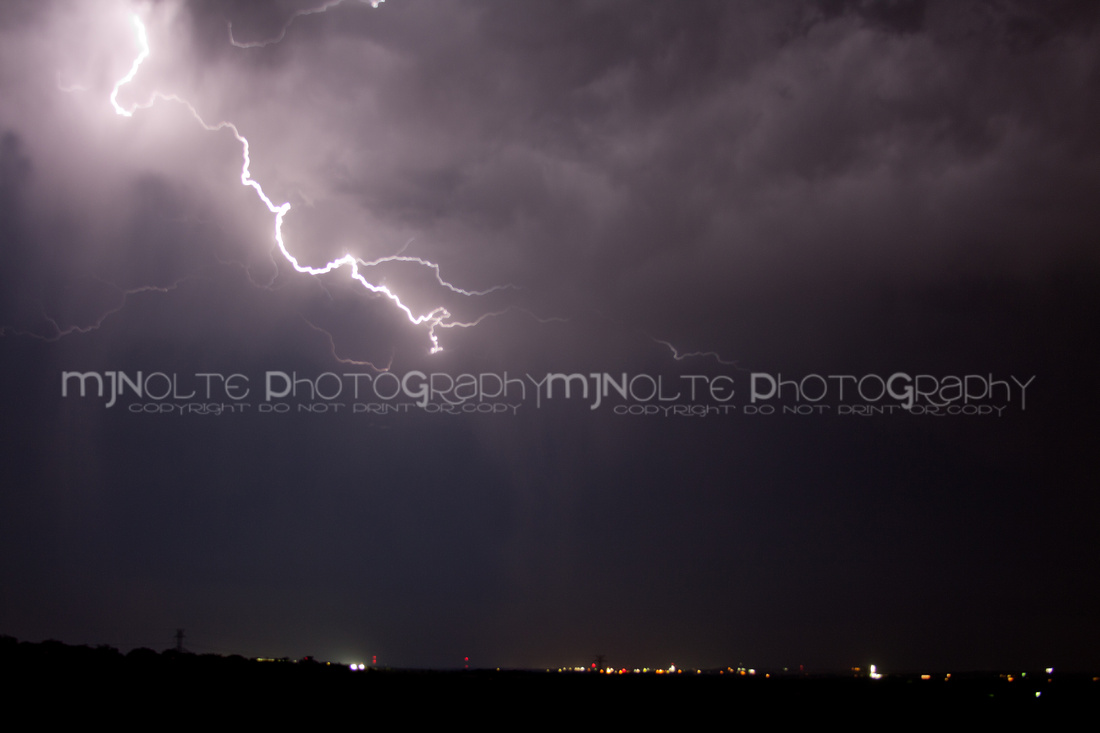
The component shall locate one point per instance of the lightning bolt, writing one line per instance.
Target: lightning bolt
(357, 267)
(344, 359)
(433, 266)
(60, 332)
(438, 317)
(680, 357)
(295, 15)
(143, 41)
(435, 323)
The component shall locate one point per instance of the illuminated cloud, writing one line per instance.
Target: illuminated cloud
(644, 178)
(708, 187)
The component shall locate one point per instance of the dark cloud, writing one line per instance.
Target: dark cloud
(834, 187)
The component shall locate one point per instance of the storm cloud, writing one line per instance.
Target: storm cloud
(785, 187)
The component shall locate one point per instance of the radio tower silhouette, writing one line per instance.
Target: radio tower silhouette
(179, 641)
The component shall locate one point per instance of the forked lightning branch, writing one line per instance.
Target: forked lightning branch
(436, 318)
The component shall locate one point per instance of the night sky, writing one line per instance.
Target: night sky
(687, 193)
